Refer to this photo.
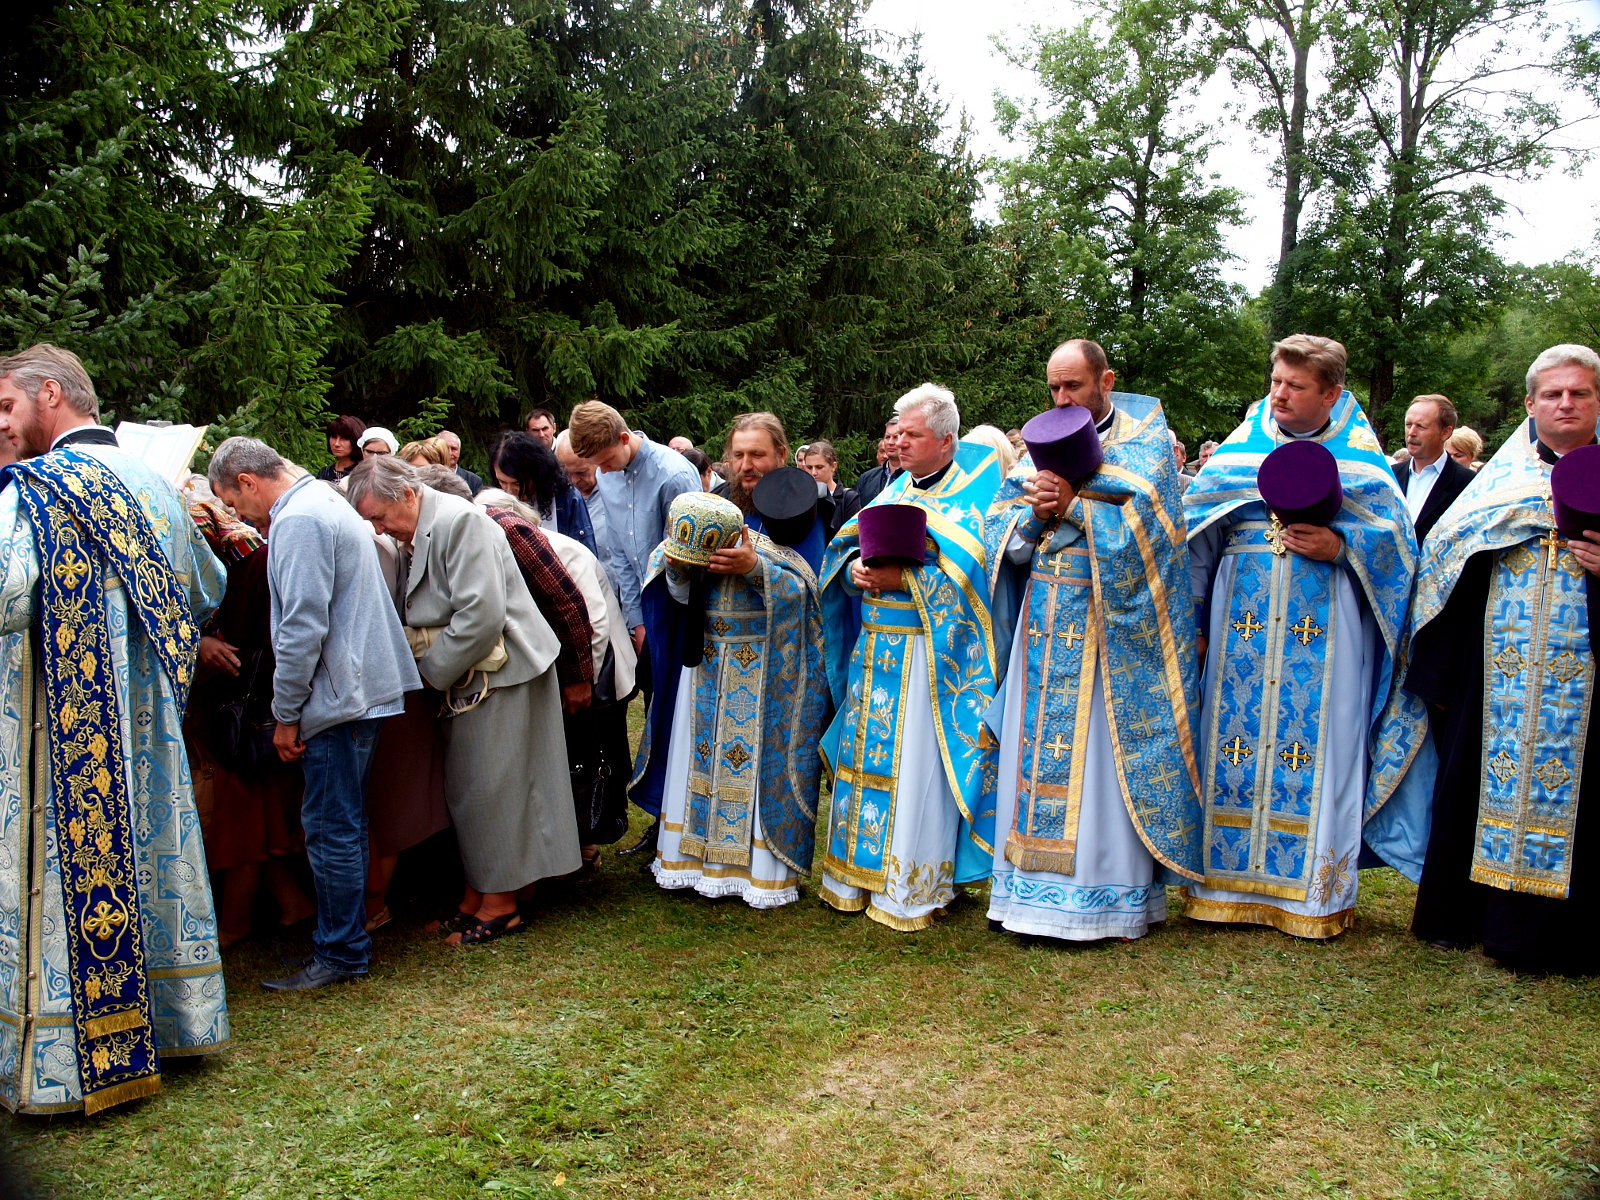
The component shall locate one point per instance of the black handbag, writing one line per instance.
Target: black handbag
(239, 731)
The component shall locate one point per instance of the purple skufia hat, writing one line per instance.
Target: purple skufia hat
(1064, 441)
(1575, 491)
(893, 533)
(1300, 483)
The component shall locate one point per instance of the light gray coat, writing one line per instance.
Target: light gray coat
(464, 577)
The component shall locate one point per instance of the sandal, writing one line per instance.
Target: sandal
(480, 932)
(457, 922)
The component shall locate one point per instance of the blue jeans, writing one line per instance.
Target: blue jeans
(334, 813)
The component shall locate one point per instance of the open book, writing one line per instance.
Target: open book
(168, 449)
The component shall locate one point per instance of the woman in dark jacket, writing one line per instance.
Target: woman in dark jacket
(527, 468)
(344, 443)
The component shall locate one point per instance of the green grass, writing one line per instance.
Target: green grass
(639, 1043)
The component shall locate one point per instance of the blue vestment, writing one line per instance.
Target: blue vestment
(941, 621)
(1106, 615)
(108, 947)
(758, 706)
(1300, 662)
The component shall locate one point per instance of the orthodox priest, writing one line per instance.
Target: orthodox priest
(1302, 624)
(1097, 805)
(730, 752)
(108, 938)
(1504, 654)
(911, 664)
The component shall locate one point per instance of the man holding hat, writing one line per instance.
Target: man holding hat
(729, 755)
(1503, 651)
(1097, 808)
(1301, 597)
(911, 664)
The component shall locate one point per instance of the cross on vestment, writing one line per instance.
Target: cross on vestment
(1248, 627)
(1164, 777)
(1295, 756)
(1145, 634)
(1034, 634)
(1306, 630)
(1143, 725)
(1060, 564)
(1275, 536)
(1056, 747)
(1070, 634)
(1237, 750)
(884, 661)
(1068, 690)
(1552, 545)
(1130, 577)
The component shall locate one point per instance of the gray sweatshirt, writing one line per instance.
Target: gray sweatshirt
(342, 655)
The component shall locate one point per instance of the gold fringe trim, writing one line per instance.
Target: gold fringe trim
(1025, 858)
(904, 924)
(121, 1093)
(873, 881)
(738, 857)
(1508, 882)
(97, 1027)
(835, 901)
(1233, 912)
(1278, 891)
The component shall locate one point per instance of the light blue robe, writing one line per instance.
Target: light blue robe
(39, 1041)
(1301, 659)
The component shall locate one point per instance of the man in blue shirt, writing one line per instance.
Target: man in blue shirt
(638, 481)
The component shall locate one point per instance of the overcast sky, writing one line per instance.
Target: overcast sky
(1550, 219)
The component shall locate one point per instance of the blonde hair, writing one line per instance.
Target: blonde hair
(30, 369)
(594, 428)
(430, 450)
(1466, 440)
(988, 435)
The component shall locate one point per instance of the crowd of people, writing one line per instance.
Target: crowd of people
(1064, 663)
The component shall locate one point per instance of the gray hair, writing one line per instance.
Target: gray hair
(443, 479)
(30, 368)
(1558, 356)
(384, 477)
(244, 456)
(498, 498)
(1204, 446)
(937, 406)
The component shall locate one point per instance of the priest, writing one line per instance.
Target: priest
(730, 751)
(108, 937)
(1302, 615)
(911, 664)
(1503, 652)
(1097, 807)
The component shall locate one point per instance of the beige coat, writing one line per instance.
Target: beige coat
(463, 577)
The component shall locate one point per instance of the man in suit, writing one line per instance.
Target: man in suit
(1429, 477)
(874, 479)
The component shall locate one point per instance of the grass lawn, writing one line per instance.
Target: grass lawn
(638, 1043)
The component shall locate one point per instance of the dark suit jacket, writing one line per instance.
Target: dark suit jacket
(1452, 481)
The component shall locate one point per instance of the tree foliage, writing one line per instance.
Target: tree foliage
(1118, 216)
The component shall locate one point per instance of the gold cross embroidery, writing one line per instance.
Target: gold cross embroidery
(1143, 725)
(1056, 747)
(1070, 635)
(1248, 627)
(1034, 634)
(103, 922)
(1236, 751)
(71, 569)
(1145, 634)
(1295, 756)
(1130, 578)
(1306, 630)
(1164, 777)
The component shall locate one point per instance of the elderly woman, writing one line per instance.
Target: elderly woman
(481, 640)
(344, 443)
(529, 470)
